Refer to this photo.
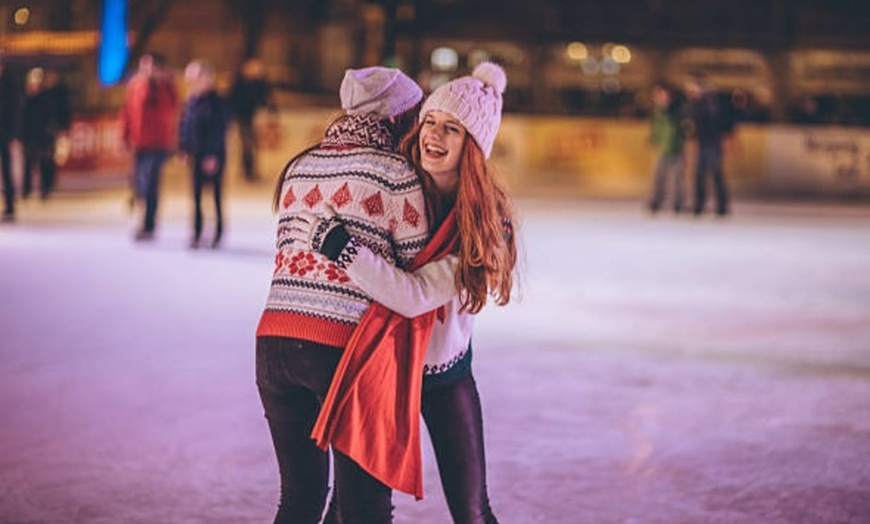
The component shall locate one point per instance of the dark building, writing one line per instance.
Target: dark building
(782, 60)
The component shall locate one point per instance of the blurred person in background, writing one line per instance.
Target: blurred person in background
(202, 141)
(149, 120)
(712, 125)
(667, 134)
(250, 91)
(45, 119)
(59, 97)
(312, 307)
(471, 222)
(9, 119)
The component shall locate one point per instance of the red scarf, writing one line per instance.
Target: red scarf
(372, 410)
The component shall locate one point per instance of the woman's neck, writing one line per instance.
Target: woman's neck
(447, 184)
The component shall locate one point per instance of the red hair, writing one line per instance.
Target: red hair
(485, 218)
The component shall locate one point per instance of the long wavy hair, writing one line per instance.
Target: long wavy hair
(485, 219)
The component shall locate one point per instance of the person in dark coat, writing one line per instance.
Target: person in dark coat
(9, 106)
(45, 116)
(712, 123)
(250, 92)
(202, 139)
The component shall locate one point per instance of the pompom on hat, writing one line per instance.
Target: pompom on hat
(476, 101)
(384, 91)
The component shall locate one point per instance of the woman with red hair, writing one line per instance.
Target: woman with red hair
(470, 213)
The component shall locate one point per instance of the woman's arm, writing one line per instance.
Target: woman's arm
(408, 293)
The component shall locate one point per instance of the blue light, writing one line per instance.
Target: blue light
(113, 41)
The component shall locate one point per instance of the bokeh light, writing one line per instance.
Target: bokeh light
(444, 59)
(621, 54)
(577, 51)
(21, 16)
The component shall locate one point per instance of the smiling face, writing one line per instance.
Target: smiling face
(442, 138)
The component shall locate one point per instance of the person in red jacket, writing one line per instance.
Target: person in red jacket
(149, 119)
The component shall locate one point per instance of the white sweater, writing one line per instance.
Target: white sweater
(413, 293)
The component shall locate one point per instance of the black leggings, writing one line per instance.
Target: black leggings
(453, 418)
(293, 377)
(201, 179)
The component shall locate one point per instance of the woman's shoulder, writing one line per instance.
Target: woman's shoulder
(367, 162)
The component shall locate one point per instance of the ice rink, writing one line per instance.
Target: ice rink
(657, 370)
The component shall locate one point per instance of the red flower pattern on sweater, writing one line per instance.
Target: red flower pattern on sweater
(304, 263)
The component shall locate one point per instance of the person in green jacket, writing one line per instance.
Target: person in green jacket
(667, 134)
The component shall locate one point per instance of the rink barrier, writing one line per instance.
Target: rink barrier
(545, 156)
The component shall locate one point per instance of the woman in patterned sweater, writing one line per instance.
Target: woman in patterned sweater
(313, 306)
(449, 147)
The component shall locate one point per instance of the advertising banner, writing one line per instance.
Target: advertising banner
(823, 161)
(93, 148)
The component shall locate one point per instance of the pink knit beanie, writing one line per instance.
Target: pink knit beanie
(384, 91)
(476, 101)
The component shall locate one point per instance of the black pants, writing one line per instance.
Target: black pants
(293, 377)
(8, 182)
(710, 163)
(215, 180)
(455, 423)
(248, 139)
(44, 161)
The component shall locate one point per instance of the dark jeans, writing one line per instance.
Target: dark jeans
(146, 179)
(293, 377)
(455, 423)
(201, 179)
(8, 182)
(47, 172)
(710, 162)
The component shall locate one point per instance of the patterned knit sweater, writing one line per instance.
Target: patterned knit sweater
(380, 201)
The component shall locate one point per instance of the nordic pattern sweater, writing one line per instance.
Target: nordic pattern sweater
(380, 200)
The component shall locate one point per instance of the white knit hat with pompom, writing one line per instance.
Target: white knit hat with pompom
(476, 101)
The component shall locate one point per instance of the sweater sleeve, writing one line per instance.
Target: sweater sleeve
(407, 293)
